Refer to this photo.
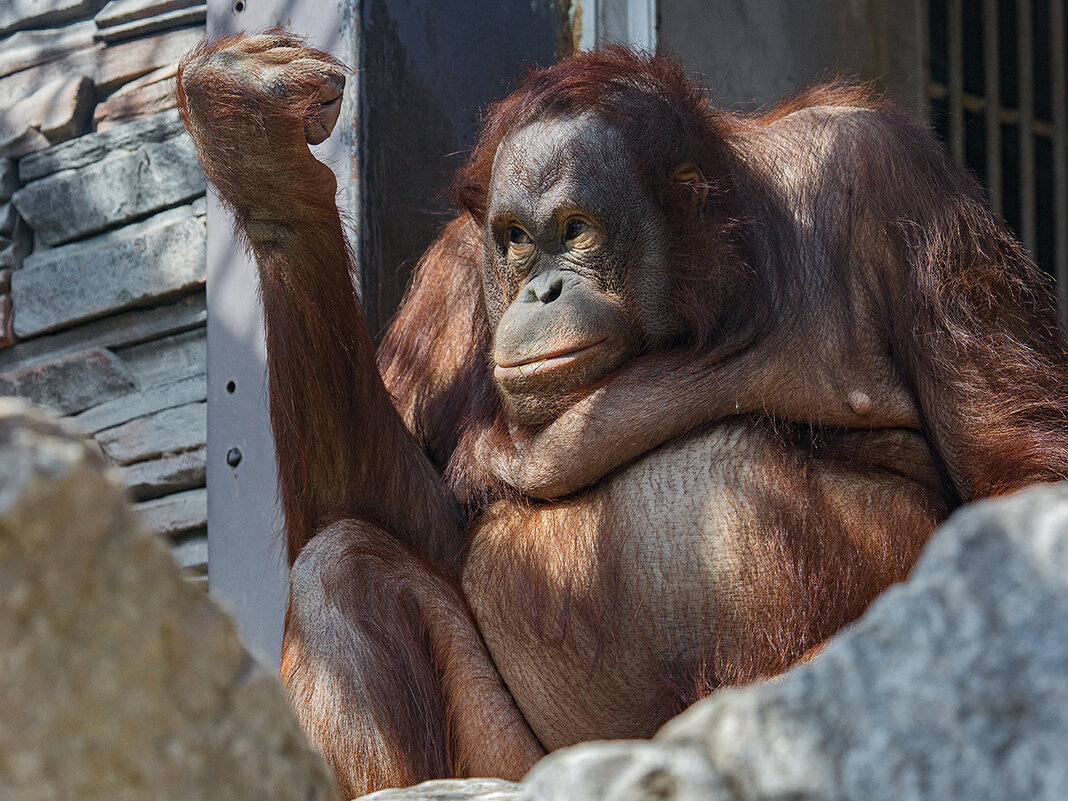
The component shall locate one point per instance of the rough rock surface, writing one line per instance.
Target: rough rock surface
(164, 22)
(177, 429)
(482, 789)
(953, 686)
(9, 178)
(30, 48)
(19, 14)
(91, 148)
(57, 111)
(121, 330)
(149, 260)
(107, 67)
(147, 95)
(121, 680)
(71, 383)
(117, 189)
(119, 12)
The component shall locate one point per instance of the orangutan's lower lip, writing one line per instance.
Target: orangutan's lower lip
(542, 364)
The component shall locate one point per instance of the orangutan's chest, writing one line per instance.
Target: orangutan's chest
(591, 605)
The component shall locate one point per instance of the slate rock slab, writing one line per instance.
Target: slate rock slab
(92, 147)
(145, 261)
(30, 48)
(953, 686)
(119, 12)
(145, 401)
(127, 328)
(59, 110)
(177, 514)
(71, 383)
(109, 67)
(164, 22)
(170, 430)
(170, 473)
(147, 95)
(117, 189)
(19, 14)
(122, 681)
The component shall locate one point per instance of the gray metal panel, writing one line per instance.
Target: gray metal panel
(246, 564)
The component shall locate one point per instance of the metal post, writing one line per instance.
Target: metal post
(1026, 132)
(246, 563)
(992, 90)
(955, 87)
(1059, 79)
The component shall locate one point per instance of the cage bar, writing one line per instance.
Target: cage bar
(955, 88)
(992, 105)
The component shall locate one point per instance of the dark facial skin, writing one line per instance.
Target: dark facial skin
(573, 264)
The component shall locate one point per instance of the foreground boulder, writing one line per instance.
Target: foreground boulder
(954, 685)
(120, 679)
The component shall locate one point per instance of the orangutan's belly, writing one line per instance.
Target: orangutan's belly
(602, 610)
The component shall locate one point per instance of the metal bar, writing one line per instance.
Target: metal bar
(641, 24)
(583, 14)
(923, 26)
(977, 105)
(1027, 146)
(1059, 88)
(993, 103)
(246, 565)
(955, 54)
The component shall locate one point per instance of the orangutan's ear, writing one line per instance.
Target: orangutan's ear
(690, 186)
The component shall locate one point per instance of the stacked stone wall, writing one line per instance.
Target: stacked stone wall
(102, 243)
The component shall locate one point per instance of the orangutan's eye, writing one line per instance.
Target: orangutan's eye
(575, 229)
(517, 236)
(582, 234)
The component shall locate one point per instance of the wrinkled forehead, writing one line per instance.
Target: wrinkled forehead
(579, 157)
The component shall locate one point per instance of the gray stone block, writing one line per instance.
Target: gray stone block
(119, 12)
(148, 95)
(92, 147)
(142, 402)
(163, 361)
(169, 431)
(155, 435)
(191, 554)
(56, 112)
(107, 67)
(121, 330)
(116, 190)
(122, 680)
(20, 14)
(164, 22)
(147, 261)
(30, 48)
(176, 515)
(172, 472)
(71, 383)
